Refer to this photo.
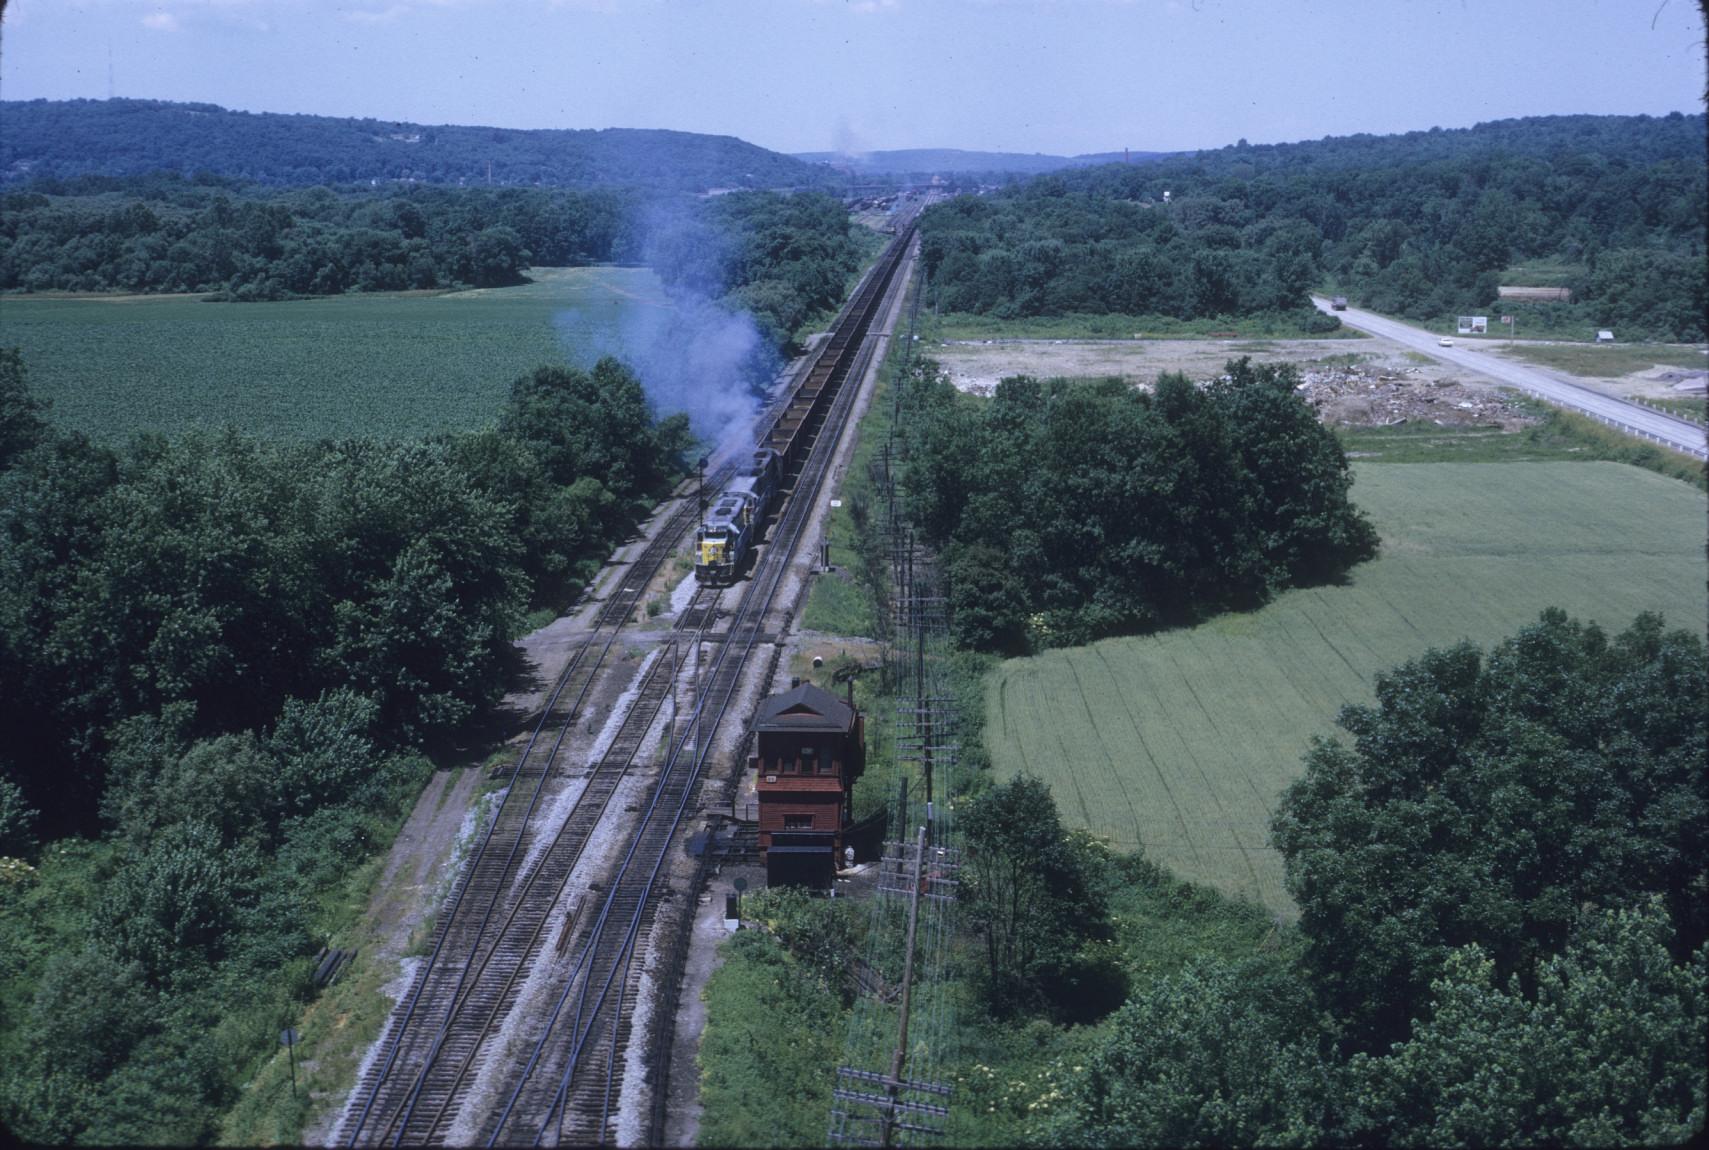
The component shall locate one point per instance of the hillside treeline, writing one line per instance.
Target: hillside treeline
(1069, 510)
(1425, 225)
(220, 657)
(165, 234)
(1044, 250)
(68, 138)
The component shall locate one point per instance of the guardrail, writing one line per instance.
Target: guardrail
(1667, 411)
(1640, 433)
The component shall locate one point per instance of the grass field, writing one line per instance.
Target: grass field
(1181, 742)
(401, 365)
(1691, 407)
(960, 325)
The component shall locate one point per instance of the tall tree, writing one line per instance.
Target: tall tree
(1036, 898)
(1485, 800)
(1608, 1050)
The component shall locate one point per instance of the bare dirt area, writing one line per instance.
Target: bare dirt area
(1363, 383)
(1665, 382)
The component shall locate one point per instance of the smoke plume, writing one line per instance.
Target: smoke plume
(696, 356)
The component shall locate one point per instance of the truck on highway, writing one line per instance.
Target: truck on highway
(1339, 303)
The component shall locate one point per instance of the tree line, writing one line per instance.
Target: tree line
(782, 258)
(221, 657)
(166, 234)
(1057, 246)
(1067, 510)
(1424, 224)
(123, 137)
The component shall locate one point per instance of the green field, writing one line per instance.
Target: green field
(402, 365)
(1181, 742)
(1608, 360)
(962, 325)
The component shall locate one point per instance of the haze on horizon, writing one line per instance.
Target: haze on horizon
(1056, 76)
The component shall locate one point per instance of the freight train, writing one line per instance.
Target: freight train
(733, 523)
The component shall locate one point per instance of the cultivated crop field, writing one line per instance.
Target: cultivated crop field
(1181, 742)
(403, 364)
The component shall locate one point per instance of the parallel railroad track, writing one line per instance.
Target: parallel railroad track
(495, 925)
(568, 1089)
(440, 986)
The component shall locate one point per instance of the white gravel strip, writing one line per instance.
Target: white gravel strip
(683, 593)
(395, 990)
(620, 710)
(631, 1121)
(547, 820)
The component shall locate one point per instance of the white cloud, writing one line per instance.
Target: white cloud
(161, 21)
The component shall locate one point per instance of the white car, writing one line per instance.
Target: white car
(1445, 342)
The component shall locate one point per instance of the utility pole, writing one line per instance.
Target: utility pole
(899, 1059)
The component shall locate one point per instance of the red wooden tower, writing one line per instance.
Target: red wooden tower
(810, 747)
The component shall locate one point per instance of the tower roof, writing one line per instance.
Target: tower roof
(804, 708)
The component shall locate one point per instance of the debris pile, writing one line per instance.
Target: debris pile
(1687, 381)
(1363, 395)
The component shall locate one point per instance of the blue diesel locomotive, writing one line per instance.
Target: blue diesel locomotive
(732, 524)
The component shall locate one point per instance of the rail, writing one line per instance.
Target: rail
(611, 943)
(478, 873)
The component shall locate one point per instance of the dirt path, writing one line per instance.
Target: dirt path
(420, 857)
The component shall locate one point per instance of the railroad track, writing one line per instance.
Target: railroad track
(437, 994)
(498, 919)
(567, 1091)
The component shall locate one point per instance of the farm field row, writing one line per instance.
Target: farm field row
(403, 365)
(1181, 742)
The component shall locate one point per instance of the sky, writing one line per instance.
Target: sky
(1054, 76)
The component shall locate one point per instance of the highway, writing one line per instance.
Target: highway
(1641, 421)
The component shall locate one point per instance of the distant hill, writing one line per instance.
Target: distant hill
(920, 161)
(67, 138)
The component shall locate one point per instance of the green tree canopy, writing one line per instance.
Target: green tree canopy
(1217, 1055)
(1486, 799)
(1035, 896)
(1072, 509)
(1608, 1050)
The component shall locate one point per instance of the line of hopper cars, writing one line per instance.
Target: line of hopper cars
(733, 523)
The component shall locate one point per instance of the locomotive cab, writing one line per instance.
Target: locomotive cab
(734, 521)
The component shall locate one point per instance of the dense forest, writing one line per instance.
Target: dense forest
(1425, 225)
(221, 657)
(69, 138)
(168, 234)
(1070, 510)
